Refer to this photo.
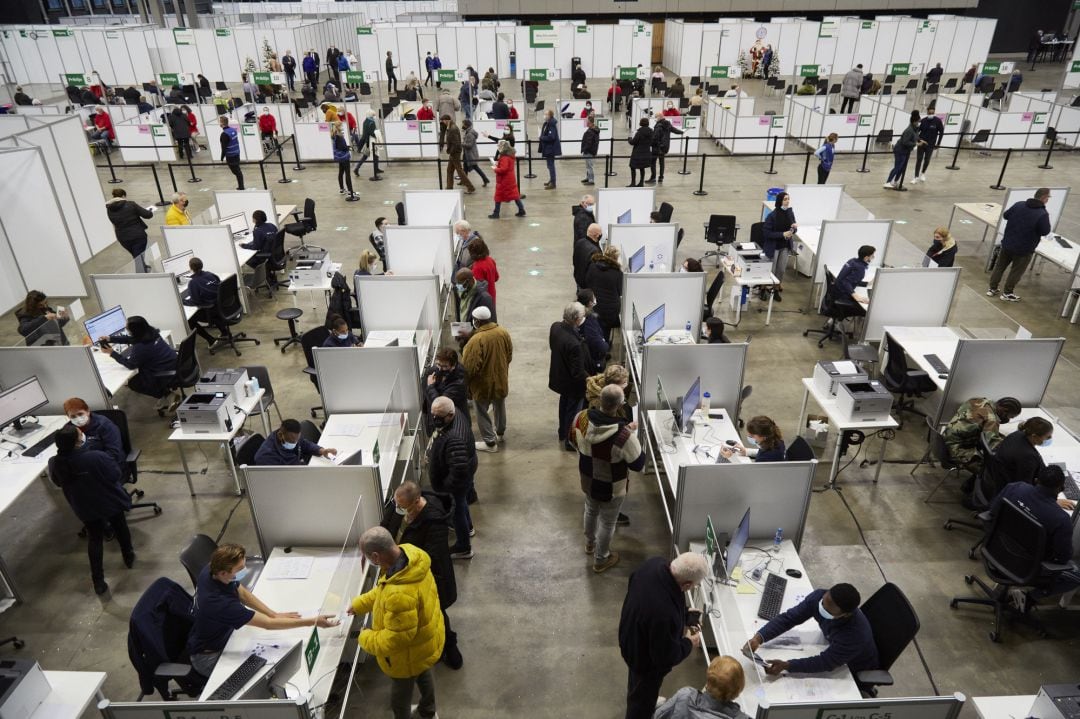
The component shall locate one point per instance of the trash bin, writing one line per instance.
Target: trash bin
(772, 193)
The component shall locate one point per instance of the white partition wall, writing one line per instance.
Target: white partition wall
(144, 141)
(230, 202)
(153, 296)
(840, 240)
(1056, 205)
(397, 302)
(419, 250)
(814, 204)
(213, 244)
(37, 249)
(682, 293)
(657, 239)
(891, 299)
(612, 202)
(63, 372)
(721, 368)
(338, 369)
(433, 207)
(571, 130)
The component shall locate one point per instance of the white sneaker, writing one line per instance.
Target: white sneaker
(916, 180)
(485, 447)
(923, 177)
(889, 185)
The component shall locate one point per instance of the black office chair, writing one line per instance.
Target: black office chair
(1012, 555)
(932, 89)
(837, 309)
(721, 230)
(271, 262)
(246, 449)
(713, 292)
(309, 341)
(884, 137)
(305, 226)
(130, 468)
(950, 83)
(695, 80)
(985, 489)
(221, 86)
(835, 89)
(309, 431)
(757, 234)
(665, 210)
(262, 374)
(229, 311)
(890, 79)
(940, 452)
(196, 555)
(799, 451)
(365, 89)
(911, 85)
(908, 383)
(980, 138)
(743, 396)
(399, 208)
(186, 373)
(157, 641)
(679, 237)
(894, 624)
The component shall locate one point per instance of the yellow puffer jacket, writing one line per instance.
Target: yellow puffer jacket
(407, 632)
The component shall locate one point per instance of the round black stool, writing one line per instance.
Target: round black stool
(290, 315)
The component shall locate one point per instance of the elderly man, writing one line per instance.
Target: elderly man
(465, 234)
(470, 294)
(406, 634)
(653, 636)
(584, 213)
(422, 519)
(452, 467)
(177, 214)
(486, 358)
(569, 368)
(452, 141)
(584, 249)
(608, 448)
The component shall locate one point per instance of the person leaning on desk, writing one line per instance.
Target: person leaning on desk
(767, 443)
(35, 311)
(851, 276)
(262, 238)
(222, 605)
(151, 355)
(287, 447)
(846, 629)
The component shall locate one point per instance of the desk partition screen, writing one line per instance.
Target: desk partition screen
(814, 204)
(379, 367)
(894, 708)
(657, 239)
(1056, 205)
(840, 240)
(421, 250)
(153, 296)
(434, 207)
(63, 372)
(394, 303)
(612, 202)
(720, 367)
(682, 293)
(231, 202)
(268, 709)
(891, 299)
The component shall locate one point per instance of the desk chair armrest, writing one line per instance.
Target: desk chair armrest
(133, 456)
(168, 670)
(984, 516)
(165, 374)
(917, 374)
(1052, 568)
(874, 677)
(311, 371)
(206, 307)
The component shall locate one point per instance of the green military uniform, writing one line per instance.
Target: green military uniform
(962, 432)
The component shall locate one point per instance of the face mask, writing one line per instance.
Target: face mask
(682, 269)
(1047, 442)
(438, 421)
(239, 576)
(80, 420)
(343, 336)
(588, 208)
(371, 267)
(459, 287)
(823, 611)
(289, 445)
(402, 511)
(751, 441)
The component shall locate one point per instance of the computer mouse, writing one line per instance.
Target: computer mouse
(793, 573)
(943, 376)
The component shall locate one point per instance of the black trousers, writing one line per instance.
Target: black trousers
(183, 145)
(642, 691)
(822, 174)
(206, 317)
(922, 158)
(234, 167)
(637, 177)
(149, 385)
(391, 81)
(658, 159)
(344, 179)
(569, 406)
(847, 105)
(95, 537)
(429, 79)
(478, 171)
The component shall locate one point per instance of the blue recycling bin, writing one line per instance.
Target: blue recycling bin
(772, 193)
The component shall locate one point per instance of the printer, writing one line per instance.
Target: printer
(863, 400)
(827, 375)
(228, 381)
(751, 261)
(23, 687)
(311, 267)
(1057, 701)
(205, 413)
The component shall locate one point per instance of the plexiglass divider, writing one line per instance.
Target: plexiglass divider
(391, 430)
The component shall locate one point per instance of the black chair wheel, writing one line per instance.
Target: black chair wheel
(953, 604)
(282, 350)
(971, 554)
(157, 510)
(969, 579)
(19, 643)
(995, 637)
(806, 333)
(257, 343)
(138, 494)
(947, 525)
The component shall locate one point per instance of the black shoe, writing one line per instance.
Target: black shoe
(493, 217)
(100, 587)
(777, 297)
(452, 657)
(472, 497)
(519, 214)
(585, 182)
(486, 183)
(129, 560)
(568, 447)
(623, 520)
(650, 181)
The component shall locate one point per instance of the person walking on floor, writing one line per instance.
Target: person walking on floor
(550, 146)
(641, 156)
(590, 148)
(391, 78)
(470, 156)
(608, 448)
(568, 368)
(486, 358)
(429, 68)
(288, 64)
(342, 156)
(850, 89)
(181, 132)
(506, 187)
(367, 145)
(661, 145)
(230, 150)
(902, 151)
(931, 132)
(452, 140)
(452, 468)
(310, 66)
(825, 155)
(127, 219)
(1026, 223)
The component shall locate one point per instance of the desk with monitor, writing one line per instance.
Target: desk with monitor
(375, 440)
(110, 322)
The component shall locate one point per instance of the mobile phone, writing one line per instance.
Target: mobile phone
(693, 617)
(754, 657)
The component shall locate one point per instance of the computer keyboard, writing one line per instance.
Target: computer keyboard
(772, 597)
(1071, 490)
(1061, 241)
(937, 364)
(40, 446)
(236, 681)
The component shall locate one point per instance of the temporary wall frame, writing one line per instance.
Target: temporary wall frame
(682, 294)
(891, 299)
(63, 372)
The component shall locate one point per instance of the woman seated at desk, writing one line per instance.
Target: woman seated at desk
(724, 682)
(714, 330)
(151, 356)
(1017, 458)
(341, 334)
(35, 312)
(943, 249)
(287, 447)
(766, 440)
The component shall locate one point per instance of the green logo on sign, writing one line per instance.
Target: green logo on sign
(447, 76)
(628, 73)
(900, 68)
(311, 651)
(778, 122)
(583, 29)
(1075, 66)
(223, 32)
(261, 78)
(868, 24)
(865, 120)
(354, 76)
(539, 75)
(719, 72)
(364, 31)
(169, 78)
(953, 118)
(75, 78)
(62, 33)
(375, 452)
(808, 70)
(543, 36)
(991, 68)
(1039, 118)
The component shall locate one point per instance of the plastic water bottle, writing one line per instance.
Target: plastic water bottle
(652, 266)
(705, 400)
(778, 537)
(689, 328)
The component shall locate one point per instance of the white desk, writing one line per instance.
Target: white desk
(676, 450)
(349, 432)
(733, 620)
(842, 424)
(988, 213)
(334, 580)
(248, 406)
(1004, 707)
(419, 338)
(71, 694)
(805, 247)
(1068, 259)
(917, 342)
(283, 211)
(113, 374)
(323, 285)
(748, 283)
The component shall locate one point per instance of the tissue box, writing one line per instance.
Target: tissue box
(816, 432)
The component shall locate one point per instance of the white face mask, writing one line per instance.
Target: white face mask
(343, 336)
(80, 420)
(683, 269)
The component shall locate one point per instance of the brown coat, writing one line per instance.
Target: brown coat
(452, 140)
(486, 358)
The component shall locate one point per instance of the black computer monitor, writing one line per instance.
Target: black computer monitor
(738, 543)
(637, 260)
(106, 324)
(20, 400)
(653, 323)
(271, 685)
(690, 402)
(352, 460)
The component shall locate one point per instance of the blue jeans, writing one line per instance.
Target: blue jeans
(520, 206)
(551, 169)
(462, 520)
(900, 158)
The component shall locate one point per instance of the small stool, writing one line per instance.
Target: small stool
(290, 315)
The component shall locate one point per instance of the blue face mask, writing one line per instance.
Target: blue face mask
(751, 441)
(1048, 441)
(344, 336)
(289, 445)
(459, 287)
(823, 611)
(239, 576)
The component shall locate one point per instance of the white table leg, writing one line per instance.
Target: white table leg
(768, 314)
(232, 467)
(187, 472)
(880, 459)
(263, 411)
(835, 469)
(951, 216)
(802, 412)
(738, 305)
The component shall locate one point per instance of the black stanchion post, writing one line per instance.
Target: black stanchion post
(685, 145)
(806, 167)
(611, 165)
(997, 185)
(529, 175)
(191, 168)
(772, 158)
(281, 163)
(607, 166)
(438, 169)
(1046, 165)
(956, 155)
(108, 158)
(162, 202)
(700, 191)
(296, 154)
(172, 178)
(262, 171)
(866, 152)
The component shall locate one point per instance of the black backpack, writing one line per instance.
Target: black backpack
(341, 302)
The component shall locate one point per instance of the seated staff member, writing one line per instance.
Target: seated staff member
(341, 334)
(202, 292)
(767, 443)
(724, 682)
(974, 417)
(99, 433)
(35, 311)
(846, 629)
(714, 330)
(286, 447)
(262, 238)
(1017, 456)
(151, 356)
(222, 605)
(851, 275)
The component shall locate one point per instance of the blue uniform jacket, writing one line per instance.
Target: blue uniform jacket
(1054, 519)
(203, 289)
(91, 484)
(850, 276)
(262, 237)
(850, 639)
(272, 453)
(102, 435)
(153, 357)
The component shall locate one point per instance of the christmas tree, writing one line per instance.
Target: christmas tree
(268, 55)
(744, 64)
(774, 65)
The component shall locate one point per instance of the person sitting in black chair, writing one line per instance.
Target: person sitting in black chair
(202, 292)
(287, 447)
(714, 330)
(766, 439)
(1018, 460)
(851, 276)
(150, 355)
(262, 238)
(340, 334)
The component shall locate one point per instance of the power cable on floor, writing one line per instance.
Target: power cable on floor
(217, 540)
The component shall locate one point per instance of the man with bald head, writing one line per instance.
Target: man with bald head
(584, 249)
(452, 466)
(584, 214)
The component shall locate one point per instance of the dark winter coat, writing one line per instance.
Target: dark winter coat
(641, 156)
(569, 360)
(90, 480)
(590, 142)
(661, 142)
(127, 218)
(605, 278)
(452, 460)
(429, 530)
(451, 384)
(1026, 224)
(584, 249)
(582, 219)
(550, 146)
(653, 620)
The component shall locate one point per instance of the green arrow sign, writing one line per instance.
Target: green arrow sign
(75, 78)
(311, 651)
(222, 32)
(354, 76)
(1075, 66)
(720, 72)
(63, 33)
(808, 70)
(991, 68)
(900, 68)
(362, 30)
(628, 73)
(541, 75)
(447, 75)
(168, 79)
(261, 78)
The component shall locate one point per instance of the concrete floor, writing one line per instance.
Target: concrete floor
(537, 628)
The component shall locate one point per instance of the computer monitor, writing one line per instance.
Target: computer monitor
(271, 685)
(637, 260)
(178, 264)
(351, 460)
(624, 218)
(237, 223)
(653, 323)
(20, 400)
(738, 543)
(106, 324)
(690, 402)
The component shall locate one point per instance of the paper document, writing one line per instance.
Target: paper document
(383, 420)
(75, 310)
(288, 568)
(461, 329)
(345, 430)
(845, 367)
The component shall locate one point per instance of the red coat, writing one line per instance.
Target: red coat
(513, 113)
(671, 112)
(193, 123)
(425, 113)
(102, 121)
(267, 124)
(485, 269)
(506, 187)
(350, 121)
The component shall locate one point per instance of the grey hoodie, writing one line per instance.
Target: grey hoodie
(690, 703)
